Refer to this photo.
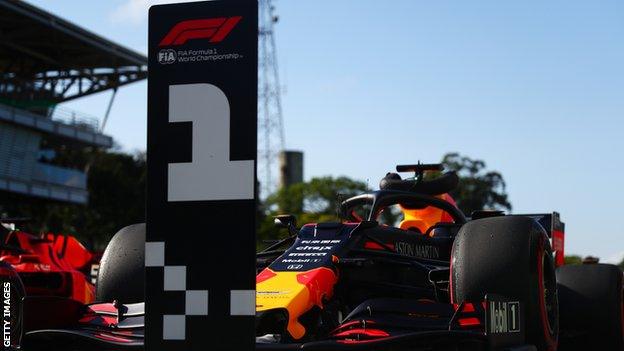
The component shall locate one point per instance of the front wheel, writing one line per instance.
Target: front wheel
(121, 276)
(509, 256)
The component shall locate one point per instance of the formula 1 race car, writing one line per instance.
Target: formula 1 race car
(51, 264)
(48, 282)
(435, 281)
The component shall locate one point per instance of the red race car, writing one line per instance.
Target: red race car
(50, 265)
(49, 291)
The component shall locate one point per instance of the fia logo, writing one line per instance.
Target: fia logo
(166, 56)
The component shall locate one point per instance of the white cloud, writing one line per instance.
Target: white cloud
(135, 11)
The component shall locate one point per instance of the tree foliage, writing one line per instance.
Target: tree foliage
(317, 200)
(573, 259)
(117, 188)
(117, 181)
(478, 188)
(321, 196)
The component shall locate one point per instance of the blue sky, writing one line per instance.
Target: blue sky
(535, 88)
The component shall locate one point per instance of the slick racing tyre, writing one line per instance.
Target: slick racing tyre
(121, 275)
(592, 314)
(509, 256)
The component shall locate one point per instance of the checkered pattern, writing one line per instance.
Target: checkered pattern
(242, 302)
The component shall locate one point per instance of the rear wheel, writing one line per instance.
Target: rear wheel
(121, 276)
(592, 308)
(509, 256)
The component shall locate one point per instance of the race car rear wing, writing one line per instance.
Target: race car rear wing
(9, 224)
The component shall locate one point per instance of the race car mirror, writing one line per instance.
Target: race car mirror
(286, 221)
(201, 196)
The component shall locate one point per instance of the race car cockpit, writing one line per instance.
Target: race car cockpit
(424, 202)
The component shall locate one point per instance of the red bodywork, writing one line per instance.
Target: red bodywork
(51, 265)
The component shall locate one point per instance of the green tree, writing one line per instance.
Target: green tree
(573, 259)
(621, 265)
(117, 188)
(320, 196)
(478, 188)
(317, 200)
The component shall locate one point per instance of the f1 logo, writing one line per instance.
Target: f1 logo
(213, 29)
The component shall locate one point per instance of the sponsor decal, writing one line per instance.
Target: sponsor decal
(299, 260)
(307, 254)
(95, 269)
(557, 243)
(504, 317)
(320, 241)
(313, 248)
(273, 292)
(414, 250)
(6, 314)
(42, 267)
